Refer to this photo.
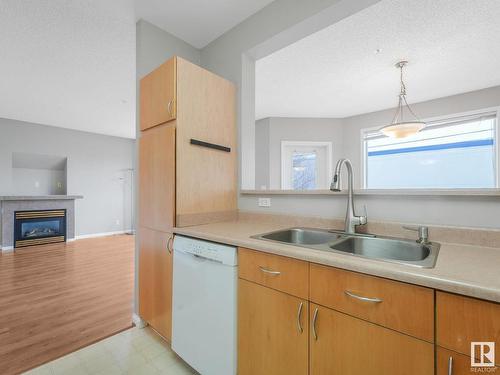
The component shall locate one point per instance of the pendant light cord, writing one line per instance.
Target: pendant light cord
(398, 116)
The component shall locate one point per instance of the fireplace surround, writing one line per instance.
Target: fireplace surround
(37, 227)
(9, 205)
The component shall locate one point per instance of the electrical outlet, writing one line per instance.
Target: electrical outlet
(37, 184)
(264, 202)
(117, 222)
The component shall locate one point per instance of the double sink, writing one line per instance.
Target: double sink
(363, 245)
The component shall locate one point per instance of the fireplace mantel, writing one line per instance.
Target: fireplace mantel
(38, 197)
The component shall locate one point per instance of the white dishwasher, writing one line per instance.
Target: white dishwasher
(204, 305)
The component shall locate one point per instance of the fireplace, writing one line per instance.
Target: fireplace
(39, 227)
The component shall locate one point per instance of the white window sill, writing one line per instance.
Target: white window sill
(388, 192)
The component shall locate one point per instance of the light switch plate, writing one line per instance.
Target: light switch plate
(264, 202)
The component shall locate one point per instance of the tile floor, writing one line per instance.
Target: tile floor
(135, 351)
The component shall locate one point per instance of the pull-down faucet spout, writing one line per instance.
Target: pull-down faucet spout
(351, 220)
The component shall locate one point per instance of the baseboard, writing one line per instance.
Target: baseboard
(6, 249)
(138, 321)
(104, 234)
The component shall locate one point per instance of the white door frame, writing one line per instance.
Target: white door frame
(286, 144)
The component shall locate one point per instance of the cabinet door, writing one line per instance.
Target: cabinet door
(272, 332)
(157, 178)
(452, 363)
(155, 280)
(158, 95)
(206, 177)
(461, 320)
(146, 264)
(342, 344)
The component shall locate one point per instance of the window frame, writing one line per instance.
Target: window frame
(430, 120)
(329, 157)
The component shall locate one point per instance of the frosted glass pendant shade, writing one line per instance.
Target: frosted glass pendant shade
(402, 129)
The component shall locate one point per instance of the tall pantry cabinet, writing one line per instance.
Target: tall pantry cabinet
(187, 171)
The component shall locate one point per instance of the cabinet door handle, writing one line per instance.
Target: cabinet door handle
(169, 107)
(270, 272)
(315, 317)
(450, 366)
(364, 299)
(169, 244)
(299, 313)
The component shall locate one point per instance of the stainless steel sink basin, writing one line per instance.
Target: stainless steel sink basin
(301, 236)
(391, 249)
(368, 246)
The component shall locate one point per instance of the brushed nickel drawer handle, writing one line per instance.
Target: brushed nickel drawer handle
(450, 366)
(271, 272)
(364, 299)
(169, 107)
(169, 244)
(315, 317)
(299, 313)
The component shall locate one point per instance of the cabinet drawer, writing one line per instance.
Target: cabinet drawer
(400, 306)
(451, 363)
(281, 273)
(461, 320)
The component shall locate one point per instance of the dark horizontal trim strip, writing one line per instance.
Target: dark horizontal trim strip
(445, 146)
(210, 145)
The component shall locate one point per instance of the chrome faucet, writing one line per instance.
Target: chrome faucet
(423, 233)
(351, 220)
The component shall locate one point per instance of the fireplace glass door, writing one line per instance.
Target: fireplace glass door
(39, 227)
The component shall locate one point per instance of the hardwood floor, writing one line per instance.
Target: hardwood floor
(57, 298)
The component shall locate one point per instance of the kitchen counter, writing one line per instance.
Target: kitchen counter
(464, 269)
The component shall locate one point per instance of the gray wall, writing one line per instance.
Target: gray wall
(294, 129)
(155, 46)
(280, 23)
(284, 22)
(471, 101)
(262, 149)
(95, 169)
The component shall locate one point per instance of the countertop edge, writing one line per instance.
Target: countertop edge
(369, 266)
(39, 198)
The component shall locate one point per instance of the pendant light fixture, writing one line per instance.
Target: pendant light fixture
(401, 127)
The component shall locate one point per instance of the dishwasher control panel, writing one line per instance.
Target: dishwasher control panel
(205, 249)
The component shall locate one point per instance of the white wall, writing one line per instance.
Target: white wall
(96, 167)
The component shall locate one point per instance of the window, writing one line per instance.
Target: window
(454, 153)
(305, 165)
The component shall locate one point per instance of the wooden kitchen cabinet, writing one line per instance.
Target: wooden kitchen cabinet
(400, 306)
(281, 273)
(155, 280)
(158, 95)
(273, 331)
(461, 320)
(157, 178)
(342, 344)
(181, 183)
(452, 363)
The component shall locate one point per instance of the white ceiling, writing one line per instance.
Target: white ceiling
(452, 47)
(197, 22)
(69, 63)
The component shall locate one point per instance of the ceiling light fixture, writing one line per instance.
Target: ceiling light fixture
(399, 126)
